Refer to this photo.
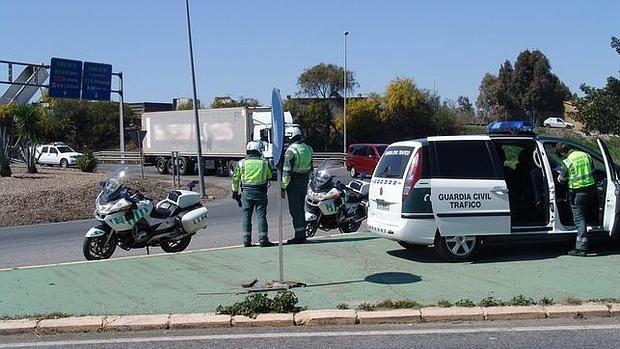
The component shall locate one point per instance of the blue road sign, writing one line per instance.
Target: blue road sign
(97, 81)
(277, 124)
(65, 78)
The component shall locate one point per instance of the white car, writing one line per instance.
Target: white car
(557, 123)
(455, 192)
(57, 154)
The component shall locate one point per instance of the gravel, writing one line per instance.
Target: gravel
(59, 195)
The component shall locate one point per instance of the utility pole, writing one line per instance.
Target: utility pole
(203, 191)
(344, 112)
(121, 122)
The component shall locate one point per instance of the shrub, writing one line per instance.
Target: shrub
(467, 303)
(491, 302)
(87, 162)
(342, 306)
(260, 303)
(444, 304)
(545, 301)
(521, 300)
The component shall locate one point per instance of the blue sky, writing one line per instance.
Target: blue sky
(245, 48)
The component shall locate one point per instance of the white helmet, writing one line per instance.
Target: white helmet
(292, 132)
(256, 146)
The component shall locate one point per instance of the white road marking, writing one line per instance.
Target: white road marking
(152, 255)
(278, 335)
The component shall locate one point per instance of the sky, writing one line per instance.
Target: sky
(246, 48)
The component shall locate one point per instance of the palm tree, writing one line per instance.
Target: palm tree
(27, 120)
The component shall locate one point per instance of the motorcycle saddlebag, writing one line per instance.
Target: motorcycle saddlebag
(194, 220)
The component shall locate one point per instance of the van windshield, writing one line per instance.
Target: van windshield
(393, 162)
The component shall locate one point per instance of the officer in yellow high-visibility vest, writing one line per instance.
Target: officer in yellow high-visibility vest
(578, 171)
(251, 177)
(296, 172)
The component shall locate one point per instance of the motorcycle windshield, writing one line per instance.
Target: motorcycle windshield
(112, 187)
(325, 175)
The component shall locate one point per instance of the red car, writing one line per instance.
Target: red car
(363, 158)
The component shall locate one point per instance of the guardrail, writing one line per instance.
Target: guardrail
(133, 157)
(113, 156)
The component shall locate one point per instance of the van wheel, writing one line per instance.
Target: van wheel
(64, 163)
(457, 248)
(352, 172)
(412, 247)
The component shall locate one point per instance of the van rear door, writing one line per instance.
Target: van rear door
(468, 192)
(386, 188)
(612, 193)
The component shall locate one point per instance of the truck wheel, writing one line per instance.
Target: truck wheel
(457, 248)
(162, 165)
(184, 166)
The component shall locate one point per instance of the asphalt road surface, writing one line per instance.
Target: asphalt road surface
(548, 334)
(62, 242)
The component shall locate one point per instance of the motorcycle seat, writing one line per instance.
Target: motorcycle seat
(160, 213)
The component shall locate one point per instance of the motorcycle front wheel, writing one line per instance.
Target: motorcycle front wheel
(311, 228)
(350, 227)
(95, 248)
(175, 245)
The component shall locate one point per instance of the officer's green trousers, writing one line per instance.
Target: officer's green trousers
(296, 193)
(252, 198)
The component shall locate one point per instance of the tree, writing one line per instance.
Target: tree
(7, 143)
(408, 110)
(315, 118)
(488, 101)
(27, 120)
(325, 81)
(465, 104)
(229, 102)
(364, 123)
(599, 109)
(187, 105)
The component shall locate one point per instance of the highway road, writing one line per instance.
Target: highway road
(549, 334)
(62, 242)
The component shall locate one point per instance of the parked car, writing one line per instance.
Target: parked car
(557, 123)
(512, 127)
(363, 158)
(455, 192)
(57, 153)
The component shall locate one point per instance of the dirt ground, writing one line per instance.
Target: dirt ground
(58, 195)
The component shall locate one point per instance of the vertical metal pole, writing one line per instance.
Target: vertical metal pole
(280, 234)
(10, 72)
(141, 155)
(172, 172)
(121, 122)
(344, 146)
(203, 191)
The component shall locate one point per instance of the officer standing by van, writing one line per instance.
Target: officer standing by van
(295, 175)
(578, 170)
(249, 186)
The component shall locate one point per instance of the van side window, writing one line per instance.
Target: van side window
(464, 160)
(44, 150)
(53, 151)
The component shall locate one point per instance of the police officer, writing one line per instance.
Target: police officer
(577, 170)
(295, 175)
(251, 176)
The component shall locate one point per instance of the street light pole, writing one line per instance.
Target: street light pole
(203, 191)
(121, 114)
(344, 117)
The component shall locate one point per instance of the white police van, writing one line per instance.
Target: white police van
(454, 192)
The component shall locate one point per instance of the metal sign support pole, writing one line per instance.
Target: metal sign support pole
(121, 114)
(280, 234)
(203, 190)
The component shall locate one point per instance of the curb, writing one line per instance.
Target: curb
(324, 317)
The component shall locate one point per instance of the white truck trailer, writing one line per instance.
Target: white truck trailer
(225, 133)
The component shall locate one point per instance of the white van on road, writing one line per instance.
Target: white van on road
(454, 191)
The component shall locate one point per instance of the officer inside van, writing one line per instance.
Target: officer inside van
(577, 169)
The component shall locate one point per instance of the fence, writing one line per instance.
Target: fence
(133, 157)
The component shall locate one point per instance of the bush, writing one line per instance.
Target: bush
(491, 302)
(260, 303)
(467, 303)
(521, 300)
(444, 303)
(342, 306)
(87, 162)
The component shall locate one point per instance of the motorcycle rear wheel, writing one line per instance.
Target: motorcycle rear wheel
(175, 245)
(350, 227)
(94, 249)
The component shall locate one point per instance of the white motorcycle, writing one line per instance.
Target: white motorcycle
(131, 220)
(331, 204)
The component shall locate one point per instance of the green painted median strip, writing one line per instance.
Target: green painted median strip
(349, 269)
